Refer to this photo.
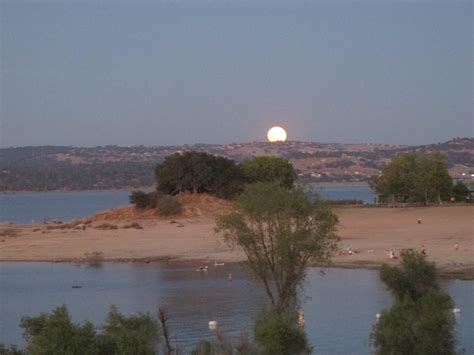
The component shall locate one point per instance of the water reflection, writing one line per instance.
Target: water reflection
(339, 307)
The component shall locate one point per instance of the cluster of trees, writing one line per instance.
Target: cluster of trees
(56, 333)
(197, 172)
(421, 320)
(415, 177)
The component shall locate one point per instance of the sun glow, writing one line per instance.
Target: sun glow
(276, 134)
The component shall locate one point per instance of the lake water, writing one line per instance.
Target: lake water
(34, 207)
(340, 307)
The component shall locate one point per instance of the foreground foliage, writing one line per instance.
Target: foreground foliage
(421, 321)
(54, 333)
(280, 334)
(280, 231)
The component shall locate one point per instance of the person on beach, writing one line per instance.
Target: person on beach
(423, 251)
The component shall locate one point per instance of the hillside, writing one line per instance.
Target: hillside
(47, 168)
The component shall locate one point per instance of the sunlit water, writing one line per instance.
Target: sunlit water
(35, 206)
(340, 306)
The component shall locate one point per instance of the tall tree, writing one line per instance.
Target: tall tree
(280, 231)
(269, 169)
(198, 172)
(414, 177)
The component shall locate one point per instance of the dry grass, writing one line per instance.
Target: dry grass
(133, 225)
(106, 226)
(8, 232)
(193, 206)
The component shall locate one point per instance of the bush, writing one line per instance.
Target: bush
(421, 320)
(168, 206)
(54, 333)
(279, 334)
(143, 199)
(137, 334)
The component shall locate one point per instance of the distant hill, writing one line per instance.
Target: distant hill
(47, 168)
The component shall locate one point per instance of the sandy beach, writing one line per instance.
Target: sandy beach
(369, 232)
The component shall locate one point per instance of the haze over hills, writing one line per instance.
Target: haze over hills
(47, 168)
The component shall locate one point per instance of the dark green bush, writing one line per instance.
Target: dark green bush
(421, 320)
(143, 199)
(280, 334)
(55, 334)
(168, 206)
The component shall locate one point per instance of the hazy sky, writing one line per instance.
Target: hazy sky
(160, 73)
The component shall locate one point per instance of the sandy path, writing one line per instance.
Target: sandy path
(368, 231)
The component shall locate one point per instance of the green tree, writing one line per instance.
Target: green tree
(280, 231)
(269, 169)
(414, 177)
(198, 172)
(55, 333)
(421, 320)
(137, 334)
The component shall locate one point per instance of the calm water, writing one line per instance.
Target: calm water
(29, 207)
(340, 306)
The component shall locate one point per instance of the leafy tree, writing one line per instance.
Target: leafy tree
(137, 334)
(421, 320)
(279, 334)
(414, 177)
(55, 333)
(460, 191)
(280, 231)
(198, 172)
(269, 169)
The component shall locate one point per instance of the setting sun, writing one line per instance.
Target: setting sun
(276, 134)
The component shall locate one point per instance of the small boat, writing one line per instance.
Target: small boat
(456, 310)
(76, 286)
(212, 324)
(218, 264)
(202, 269)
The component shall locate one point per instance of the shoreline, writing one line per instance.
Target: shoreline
(464, 274)
(368, 232)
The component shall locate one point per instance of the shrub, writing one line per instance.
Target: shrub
(143, 199)
(54, 333)
(106, 226)
(168, 206)
(133, 225)
(421, 320)
(279, 334)
(137, 334)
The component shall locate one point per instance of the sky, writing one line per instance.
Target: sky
(87, 73)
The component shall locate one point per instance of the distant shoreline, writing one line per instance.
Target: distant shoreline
(151, 188)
